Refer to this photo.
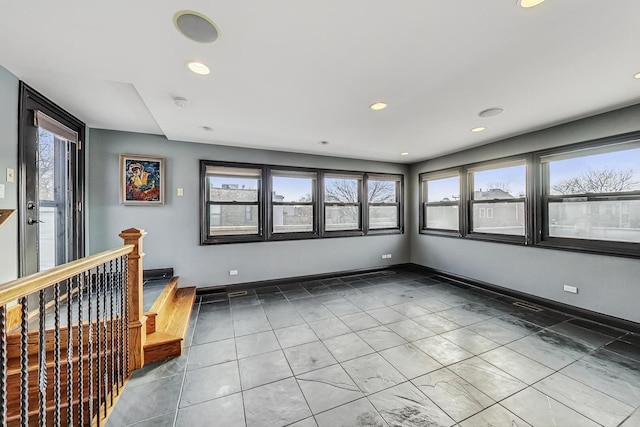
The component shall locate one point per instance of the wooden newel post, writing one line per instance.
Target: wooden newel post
(137, 319)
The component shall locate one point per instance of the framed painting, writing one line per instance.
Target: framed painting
(141, 180)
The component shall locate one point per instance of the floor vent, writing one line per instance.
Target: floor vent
(237, 294)
(528, 306)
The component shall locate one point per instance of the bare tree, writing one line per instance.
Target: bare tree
(599, 181)
(346, 191)
(382, 191)
(504, 186)
(46, 165)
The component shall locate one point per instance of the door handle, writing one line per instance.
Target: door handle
(31, 205)
(32, 221)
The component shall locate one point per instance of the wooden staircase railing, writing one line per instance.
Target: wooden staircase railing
(70, 337)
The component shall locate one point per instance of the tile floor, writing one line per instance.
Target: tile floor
(392, 348)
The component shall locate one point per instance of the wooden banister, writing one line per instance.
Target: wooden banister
(19, 288)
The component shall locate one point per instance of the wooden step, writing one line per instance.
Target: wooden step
(159, 304)
(171, 325)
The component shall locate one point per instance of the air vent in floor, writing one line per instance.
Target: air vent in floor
(527, 306)
(237, 294)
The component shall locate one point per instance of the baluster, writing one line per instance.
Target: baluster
(112, 346)
(126, 313)
(72, 284)
(81, 350)
(24, 362)
(3, 365)
(56, 355)
(99, 338)
(104, 342)
(118, 325)
(42, 361)
(90, 345)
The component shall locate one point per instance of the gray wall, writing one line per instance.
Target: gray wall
(9, 159)
(609, 285)
(173, 229)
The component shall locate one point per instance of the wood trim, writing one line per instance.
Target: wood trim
(5, 214)
(11, 291)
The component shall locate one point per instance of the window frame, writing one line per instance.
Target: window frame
(505, 162)
(205, 237)
(608, 247)
(314, 234)
(360, 231)
(423, 180)
(399, 203)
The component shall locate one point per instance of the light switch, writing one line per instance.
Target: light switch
(180, 192)
(1, 191)
(10, 175)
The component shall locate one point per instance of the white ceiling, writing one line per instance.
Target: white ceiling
(287, 74)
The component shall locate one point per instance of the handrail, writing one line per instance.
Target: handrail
(24, 286)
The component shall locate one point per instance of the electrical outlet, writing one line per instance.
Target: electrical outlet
(389, 256)
(233, 272)
(10, 175)
(384, 256)
(571, 289)
(180, 192)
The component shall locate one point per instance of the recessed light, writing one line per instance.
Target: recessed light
(404, 154)
(529, 3)
(378, 106)
(478, 129)
(198, 68)
(637, 76)
(195, 26)
(490, 112)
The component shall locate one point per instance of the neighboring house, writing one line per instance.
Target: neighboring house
(508, 217)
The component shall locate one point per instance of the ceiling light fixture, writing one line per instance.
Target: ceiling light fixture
(404, 154)
(181, 102)
(378, 106)
(479, 129)
(529, 3)
(490, 112)
(198, 68)
(637, 76)
(195, 26)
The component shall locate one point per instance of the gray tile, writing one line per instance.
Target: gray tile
(263, 369)
(252, 345)
(584, 336)
(494, 416)
(462, 316)
(493, 331)
(226, 411)
(307, 357)
(410, 361)
(328, 388)
(315, 313)
(386, 315)
(444, 351)
(349, 346)
(165, 420)
(470, 341)
(405, 405)
(277, 404)
(357, 413)
(492, 381)
(373, 373)
(359, 321)
(411, 310)
(549, 348)
(209, 383)
(295, 335)
(410, 330)
(207, 332)
(633, 420)
(144, 401)
(307, 422)
(381, 338)
(436, 323)
(341, 307)
(211, 354)
(517, 365)
(162, 369)
(250, 325)
(540, 410)
(597, 406)
(329, 328)
(367, 303)
(433, 305)
(285, 318)
(457, 397)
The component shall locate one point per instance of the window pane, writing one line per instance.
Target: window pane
(233, 189)
(292, 189)
(499, 218)
(382, 191)
(342, 190)
(383, 217)
(599, 173)
(442, 217)
(292, 219)
(233, 220)
(500, 183)
(342, 218)
(599, 220)
(444, 189)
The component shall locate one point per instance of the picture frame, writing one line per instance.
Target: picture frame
(141, 180)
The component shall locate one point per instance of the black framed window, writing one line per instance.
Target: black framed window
(384, 197)
(440, 202)
(233, 200)
(342, 203)
(498, 200)
(591, 198)
(293, 203)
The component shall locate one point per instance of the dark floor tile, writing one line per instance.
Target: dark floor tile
(226, 411)
(262, 369)
(517, 365)
(307, 422)
(328, 388)
(250, 325)
(632, 351)
(144, 401)
(442, 350)
(463, 316)
(550, 348)
(492, 381)
(308, 357)
(495, 332)
(209, 383)
(161, 369)
(269, 298)
(208, 331)
(277, 404)
(346, 347)
(356, 413)
(584, 336)
(212, 353)
(359, 321)
(410, 361)
(260, 343)
(165, 420)
(381, 338)
(295, 335)
(632, 339)
(295, 293)
(373, 373)
(329, 328)
(545, 318)
(283, 319)
(495, 415)
(597, 327)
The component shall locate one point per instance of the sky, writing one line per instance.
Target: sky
(293, 189)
